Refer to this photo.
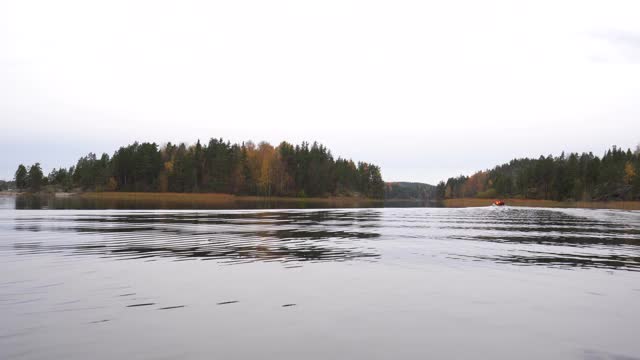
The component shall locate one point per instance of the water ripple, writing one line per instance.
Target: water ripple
(610, 238)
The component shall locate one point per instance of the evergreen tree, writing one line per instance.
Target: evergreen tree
(21, 177)
(35, 177)
(566, 177)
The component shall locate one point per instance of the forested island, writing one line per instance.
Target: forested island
(305, 170)
(572, 177)
(310, 171)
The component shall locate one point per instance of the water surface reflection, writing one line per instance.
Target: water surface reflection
(315, 284)
(233, 237)
(519, 236)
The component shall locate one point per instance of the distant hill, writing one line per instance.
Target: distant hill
(409, 191)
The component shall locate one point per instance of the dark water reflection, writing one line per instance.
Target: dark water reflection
(579, 238)
(51, 202)
(235, 237)
(324, 283)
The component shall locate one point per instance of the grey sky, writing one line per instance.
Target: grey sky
(427, 90)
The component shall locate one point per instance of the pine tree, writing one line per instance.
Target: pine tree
(35, 177)
(21, 177)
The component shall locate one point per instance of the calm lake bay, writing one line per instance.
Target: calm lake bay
(376, 283)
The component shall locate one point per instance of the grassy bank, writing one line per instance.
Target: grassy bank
(9, 193)
(208, 197)
(472, 202)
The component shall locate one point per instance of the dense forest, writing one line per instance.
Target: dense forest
(584, 176)
(245, 169)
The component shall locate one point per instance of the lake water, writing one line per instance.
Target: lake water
(384, 283)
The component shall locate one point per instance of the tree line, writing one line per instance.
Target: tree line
(304, 170)
(614, 176)
(6, 185)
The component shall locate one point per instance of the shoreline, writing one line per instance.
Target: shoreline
(212, 197)
(475, 202)
(221, 199)
(141, 195)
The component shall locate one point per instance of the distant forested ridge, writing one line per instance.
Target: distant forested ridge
(245, 169)
(577, 177)
(409, 191)
(6, 185)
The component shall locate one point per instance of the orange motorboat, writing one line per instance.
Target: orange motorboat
(498, 203)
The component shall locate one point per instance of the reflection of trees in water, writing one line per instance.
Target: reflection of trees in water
(630, 263)
(517, 236)
(571, 241)
(74, 202)
(31, 202)
(577, 240)
(233, 237)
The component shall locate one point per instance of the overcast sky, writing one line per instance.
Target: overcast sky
(427, 90)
